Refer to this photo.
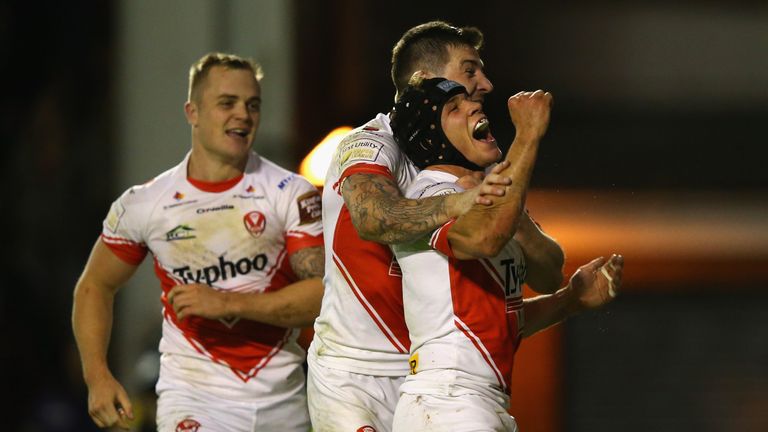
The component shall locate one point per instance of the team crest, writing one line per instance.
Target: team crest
(255, 222)
(366, 429)
(188, 425)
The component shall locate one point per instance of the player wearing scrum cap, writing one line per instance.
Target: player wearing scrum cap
(359, 354)
(465, 312)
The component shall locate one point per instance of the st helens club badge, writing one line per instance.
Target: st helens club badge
(255, 222)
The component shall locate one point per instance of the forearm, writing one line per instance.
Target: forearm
(592, 286)
(92, 315)
(544, 257)
(380, 213)
(546, 310)
(295, 305)
(484, 230)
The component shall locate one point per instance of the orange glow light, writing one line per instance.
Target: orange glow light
(315, 164)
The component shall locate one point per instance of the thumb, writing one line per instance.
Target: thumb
(124, 406)
(593, 265)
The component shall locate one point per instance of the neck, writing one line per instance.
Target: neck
(208, 168)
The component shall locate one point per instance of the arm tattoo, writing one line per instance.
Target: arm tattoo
(308, 262)
(381, 213)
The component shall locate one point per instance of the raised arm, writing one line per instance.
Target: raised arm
(484, 230)
(544, 258)
(381, 213)
(295, 305)
(92, 314)
(591, 286)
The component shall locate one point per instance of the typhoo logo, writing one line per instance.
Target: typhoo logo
(223, 271)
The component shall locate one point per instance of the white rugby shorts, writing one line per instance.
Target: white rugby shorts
(346, 401)
(185, 411)
(439, 413)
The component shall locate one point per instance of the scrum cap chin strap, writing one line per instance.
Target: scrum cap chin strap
(417, 128)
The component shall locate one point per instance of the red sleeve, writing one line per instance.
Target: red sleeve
(128, 251)
(364, 168)
(439, 240)
(297, 240)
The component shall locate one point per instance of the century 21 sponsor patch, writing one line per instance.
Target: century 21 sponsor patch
(310, 207)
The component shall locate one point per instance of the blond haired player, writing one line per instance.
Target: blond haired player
(236, 244)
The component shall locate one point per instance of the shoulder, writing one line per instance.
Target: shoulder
(376, 130)
(137, 202)
(275, 178)
(431, 183)
(151, 191)
(367, 142)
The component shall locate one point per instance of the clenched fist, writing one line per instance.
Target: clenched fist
(529, 112)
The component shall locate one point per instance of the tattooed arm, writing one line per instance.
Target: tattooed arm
(381, 213)
(295, 305)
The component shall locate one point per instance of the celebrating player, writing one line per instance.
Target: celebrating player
(466, 316)
(359, 355)
(236, 242)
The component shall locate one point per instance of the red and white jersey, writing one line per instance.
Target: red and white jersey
(464, 317)
(235, 236)
(361, 327)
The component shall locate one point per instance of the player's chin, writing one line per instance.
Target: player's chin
(237, 148)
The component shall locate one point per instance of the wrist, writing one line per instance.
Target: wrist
(530, 136)
(570, 301)
(458, 204)
(94, 373)
(230, 305)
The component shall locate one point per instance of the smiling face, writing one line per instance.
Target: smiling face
(467, 128)
(225, 114)
(466, 68)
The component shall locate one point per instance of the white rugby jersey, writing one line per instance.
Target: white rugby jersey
(464, 317)
(234, 236)
(361, 327)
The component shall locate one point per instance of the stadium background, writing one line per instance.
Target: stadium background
(657, 150)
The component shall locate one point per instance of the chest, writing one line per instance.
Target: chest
(232, 233)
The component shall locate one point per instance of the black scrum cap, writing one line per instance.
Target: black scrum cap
(417, 128)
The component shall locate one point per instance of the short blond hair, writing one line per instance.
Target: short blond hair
(199, 70)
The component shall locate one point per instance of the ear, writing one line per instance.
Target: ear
(420, 75)
(190, 111)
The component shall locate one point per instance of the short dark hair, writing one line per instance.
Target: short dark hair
(199, 70)
(425, 47)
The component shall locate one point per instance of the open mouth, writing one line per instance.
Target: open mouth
(238, 132)
(482, 130)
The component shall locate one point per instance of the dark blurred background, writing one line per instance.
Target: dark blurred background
(656, 149)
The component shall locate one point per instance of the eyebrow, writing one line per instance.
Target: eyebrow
(454, 100)
(473, 62)
(230, 96)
